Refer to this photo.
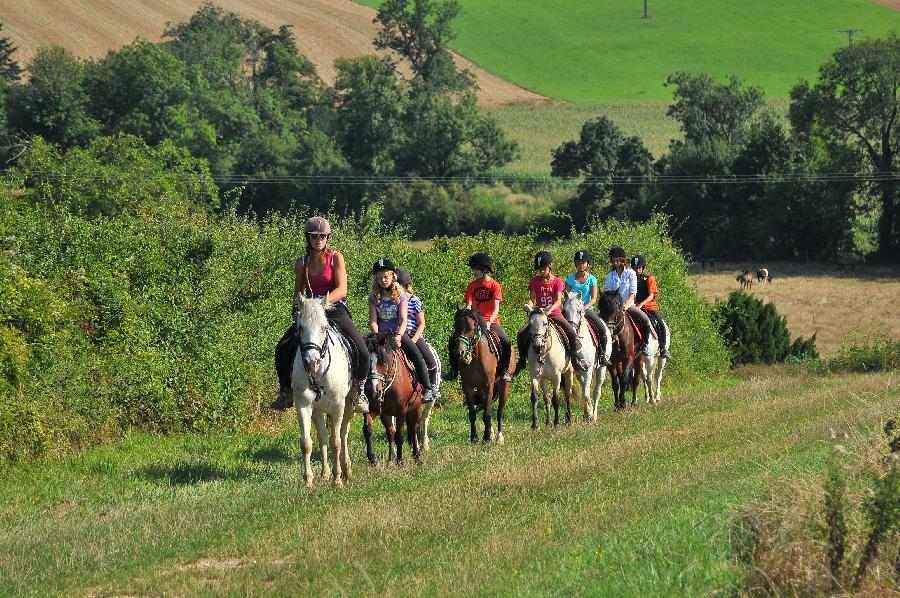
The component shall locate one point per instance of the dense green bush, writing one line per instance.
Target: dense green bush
(755, 332)
(879, 354)
(167, 321)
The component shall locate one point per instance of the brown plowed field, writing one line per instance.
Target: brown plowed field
(325, 30)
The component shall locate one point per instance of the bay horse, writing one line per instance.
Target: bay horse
(548, 365)
(591, 379)
(393, 393)
(625, 361)
(478, 373)
(320, 380)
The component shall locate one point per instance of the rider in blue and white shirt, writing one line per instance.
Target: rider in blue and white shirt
(624, 280)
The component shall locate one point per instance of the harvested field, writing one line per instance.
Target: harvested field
(840, 306)
(325, 30)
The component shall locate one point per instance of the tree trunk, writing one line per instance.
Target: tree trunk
(887, 241)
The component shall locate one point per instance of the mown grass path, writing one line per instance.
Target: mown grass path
(639, 504)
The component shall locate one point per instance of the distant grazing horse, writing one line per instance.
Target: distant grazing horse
(393, 393)
(549, 365)
(481, 382)
(763, 275)
(592, 378)
(320, 379)
(626, 362)
(746, 279)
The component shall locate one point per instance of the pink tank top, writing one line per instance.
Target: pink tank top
(321, 284)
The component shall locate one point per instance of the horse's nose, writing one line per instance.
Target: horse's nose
(311, 361)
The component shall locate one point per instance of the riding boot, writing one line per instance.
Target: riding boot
(285, 399)
(452, 359)
(362, 403)
(428, 395)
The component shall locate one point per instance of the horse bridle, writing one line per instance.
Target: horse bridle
(387, 380)
(470, 343)
(325, 351)
(548, 343)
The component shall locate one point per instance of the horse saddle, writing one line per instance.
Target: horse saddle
(410, 368)
(494, 342)
(562, 334)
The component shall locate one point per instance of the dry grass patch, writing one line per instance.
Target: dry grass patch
(839, 307)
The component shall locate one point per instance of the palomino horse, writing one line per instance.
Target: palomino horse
(626, 363)
(548, 364)
(320, 379)
(573, 310)
(478, 372)
(392, 391)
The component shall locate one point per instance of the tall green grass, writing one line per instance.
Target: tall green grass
(606, 52)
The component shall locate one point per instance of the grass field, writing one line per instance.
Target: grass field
(840, 307)
(641, 503)
(606, 52)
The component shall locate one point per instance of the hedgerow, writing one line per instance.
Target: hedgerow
(167, 321)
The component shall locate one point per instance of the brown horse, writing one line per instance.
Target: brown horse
(478, 373)
(626, 362)
(393, 395)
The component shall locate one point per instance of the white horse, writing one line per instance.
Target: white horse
(654, 364)
(573, 310)
(320, 379)
(549, 365)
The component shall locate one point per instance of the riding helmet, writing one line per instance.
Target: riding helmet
(482, 261)
(616, 252)
(582, 256)
(383, 264)
(542, 260)
(638, 261)
(317, 224)
(403, 277)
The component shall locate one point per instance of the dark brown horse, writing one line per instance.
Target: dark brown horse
(393, 395)
(481, 382)
(626, 362)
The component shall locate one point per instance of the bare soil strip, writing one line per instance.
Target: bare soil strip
(325, 30)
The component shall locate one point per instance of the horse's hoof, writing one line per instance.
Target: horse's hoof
(500, 438)
(534, 427)
(338, 483)
(309, 483)
(474, 440)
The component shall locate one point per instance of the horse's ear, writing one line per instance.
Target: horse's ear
(573, 295)
(528, 308)
(459, 307)
(325, 302)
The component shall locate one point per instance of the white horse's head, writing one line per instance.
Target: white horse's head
(312, 326)
(538, 324)
(573, 308)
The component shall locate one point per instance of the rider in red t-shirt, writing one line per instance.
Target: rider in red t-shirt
(545, 291)
(485, 295)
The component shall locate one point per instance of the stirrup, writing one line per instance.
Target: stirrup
(428, 396)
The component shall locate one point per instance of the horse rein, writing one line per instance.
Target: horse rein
(548, 344)
(387, 380)
(325, 351)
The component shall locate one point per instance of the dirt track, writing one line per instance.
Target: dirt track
(325, 30)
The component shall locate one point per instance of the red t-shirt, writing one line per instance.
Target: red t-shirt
(546, 292)
(482, 294)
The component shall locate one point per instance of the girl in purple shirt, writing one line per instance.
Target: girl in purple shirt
(388, 306)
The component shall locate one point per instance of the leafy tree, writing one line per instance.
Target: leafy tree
(855, 103)
(52, 102)
(10, 71)
(420, 32)
(369, 120)
(708, 110)
(606, 158)
(287, 71)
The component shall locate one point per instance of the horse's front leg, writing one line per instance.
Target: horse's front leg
(346, 465)
(388, 423)
(367, 434)
(398, 437)
(470, 402)
(555, 399)
(304, 419)
(488, 407)
(618, 388)
(412, 432)
(660, 366)
(337, 424)
(567, 383)
(585, 379)
(322, 434)
(597, 390)
(424, 444)
(503, 391)
(535, 389)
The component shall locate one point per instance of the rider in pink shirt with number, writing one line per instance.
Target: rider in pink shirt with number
(546, 292)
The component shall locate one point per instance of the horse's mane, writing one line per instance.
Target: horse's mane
(608, 302)
(380, 343)
(475, 315)
(312, 311)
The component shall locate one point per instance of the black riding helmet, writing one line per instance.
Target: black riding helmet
(616, 252)
(542, 260)
(482, 261)
(638, 261)
(582, 256)
(383, 264)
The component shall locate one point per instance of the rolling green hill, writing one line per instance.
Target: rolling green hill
(606, 52)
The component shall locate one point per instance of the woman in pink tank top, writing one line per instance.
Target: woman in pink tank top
(319, 272)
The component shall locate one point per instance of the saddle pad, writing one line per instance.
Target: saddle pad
(494, 342)
(594, 335)
(562, 334)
